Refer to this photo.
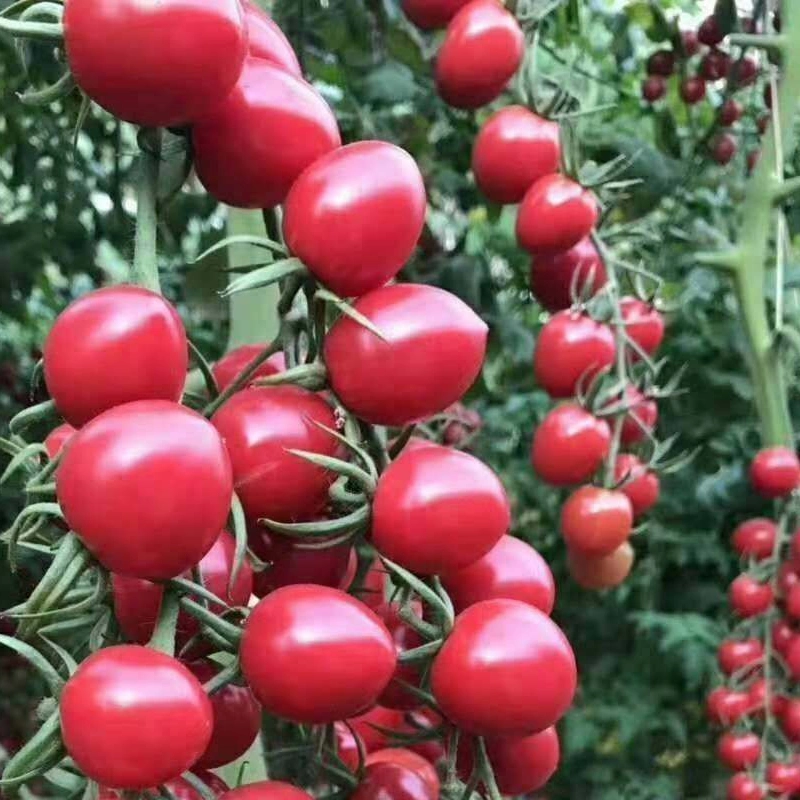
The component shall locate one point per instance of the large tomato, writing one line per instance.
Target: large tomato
(147, 487)
(595, 521)
(431, 14)
(643, 324)
(775, 472)
(57, 439)
(266, 40)
(432, 351)
(642, 487)
(233, 364)
(601, 572)
(266, 790)
(114, 346)
(391, 781)
(555, 274)
(405, 638)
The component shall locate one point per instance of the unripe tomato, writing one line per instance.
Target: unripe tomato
(571, 350)
(782, 636)
(570, 445)
(371, 726)
(715, 65)
(408, 759)
(790, 720)
(642, 487)
(57, 439)
(512, 570)
(314, 654)
(775, 472)
(431, 352)
(506, 669)
(654, 88)
(691, 44)
(739, 751)
(742, 787)
(662, 62)
(230, 366)
(155, 64)
(432, 14)
(267, 41)
(643, 324)
(514, 148)
(726, 707)
(259, 426)
(129, 699)
(266, 790)
(709, 33)
(114, 346)
(755, 537)
(595, 521)
(784, 779)
(154, 515)
(437, 510)
(693, 90)
(724, 148)
(743, 72)
(749, 598)
(251, 148)
(642, 416)
(389, 781)
(556, 274)
(730, 112)
(734, 656)
(601, 572)
(405, 638)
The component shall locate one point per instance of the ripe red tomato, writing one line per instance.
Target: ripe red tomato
(57, 439)
(642, 488)
(266, 40)
(515, 148)
(794, 558)
(603, 572)
(790, 720)
(405, 638)
(641, 409)
(114, 346)
(555, 274)
(595, 521)
(725, 707)
(355, 216)
(372, 590)
(743, 72)
(315, 654)
(775, 472)
(691, 44)
(410, 760)
(125, 482)
(662, 62)
(788, 579)
(755, 537)
(371, 726)
(424, 720)
(137, 604)
(731, 112)
(757, 696)
(782, 636)
(437, 510)
(259, 426)
(388, 781)
(512, 570)
(432, 14)
(555, 214)
(739, 751)
(230, 366)
(709, 33)
(791, 602)
(693, 90)
(266, 790)
(784, 779)
(506, 669)
(724, 148)
(346, 746)
(742, 787)
(129, 699)
(571, 350)
(155, 64)
(643, 324)
(251, 148)
(654, 88)
(180, 788)
(432, 352)
(715, 65)
(749, 598)
(736, 655)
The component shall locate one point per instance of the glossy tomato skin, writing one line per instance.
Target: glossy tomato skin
(155, 64)
(438, 510)
(409, 759)
(506, 669)
(709, 33)
(432, 352)
(156, 515)
(515, 148)
(725, 707)
(405, 638)
(554, 275)
(790, 720)
(482, 50)
(132, 717)
(250, 149)
(643, 323)
(137, 604)
(315, 654)
(259, 426)
(641, 408)
(739, 751)
(266, 790)
(690, 42)
(355, 216)
(775, 472)
(642, 487)
(570, 445)
(267, 41)
(755, 537)
(233, 364)
(742, 787)
(693, 90)
(370, 726)
(113, 346)
(783, 779)
(595, 521)
(597, 573)
(556, 213)
(432, 14)
(736, 655)
(783, 634)
(57, 439)
(390, 781)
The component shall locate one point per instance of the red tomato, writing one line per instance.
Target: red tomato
(372, 591)
(790, 720)
(643, 324)
(570, 445)
(555, 214)
(506, 669)
(466, 424)
(730, 112)
(724, 148)
(775, 472)
(556, 274)
(424, 720)
(749, 598)
(654, 88)
(693, 90)
(57, 439)
(755, 537)
(512, 570)
(757, 695)
(432, 14)
(250, 149)
(571, 349)
(662, 62)
(137, 604)
(709, 33)
(130, 700)
(787, 579)
(370, 727)
(742, 787)
(791, 602)
(739, 751)
(410, 760)
(795, 550)
(346, 746)
(595, 521)
(114, 346)
(782, 636)
(784, 779)
(388, 781)
(481, 52)
(259, 426)
(266, 40)
(641, 409)
(437, 510)
(690, 42)
(603, 572)
(642, 487)
(155, 64)
(180, 788)
(514, 148)
(725, 707)
(230, 366)
(432, 352)
(743, 72)
(147, 487)
(266, 790)
(315, 654)
(734, 656)
(715, 65)
(405, 638)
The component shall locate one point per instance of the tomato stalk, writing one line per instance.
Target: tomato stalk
(145, 258)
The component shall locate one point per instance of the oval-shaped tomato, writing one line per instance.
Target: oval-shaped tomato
(775, 472)
(570, 445)
(730, 112)
(739, 750)
(431, 352)
(791, 603)
(410, 760)
(155, 64)
(742, 787)
(642, 416)
(557, 274)
(736, 655)
(571, 350)
(643, 324)
(355, 216)
(437, 510)
(395, 695)
(266, 40)
(726, 707)
(788, 579)
(601, 572)
(654, 88)
(147, 487)
(259, 427)
(251, 148)
(132, 718)
(57, 439)
(388, 781)
(232, 365)
(315, 654)
(595, 521)
(432, 14)
(755, 537)
(641, 486)
(514, 148)
(692, 90)
(137, 604)
(266, 790)
(114, 346)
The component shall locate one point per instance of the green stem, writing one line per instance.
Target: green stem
(163, 638)
(145, 258)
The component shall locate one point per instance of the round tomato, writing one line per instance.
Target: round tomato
(267, 41)
(372, 726)
(642, 487)
(743, 72)
(736, 655)
(346, 746)
(390, 781)
(742, 787)
(137, 604)
(315, 654)
(432, 351)
(730, 112)
(113, 346)
(690, 42)
(709, 33)
(775, 472)
(795, 550)
(405, 638)
(791, 602)
(662, 62)
(179, 788)
(726, 707)
(643, 324)
(601, 572)
(642, 416)
(790, 720)
(57, 439)
(749, 598)
(724, 148)
(739, 751)
(654, 88)
(266, 790)
(788, 579)
(506, 669)
(230, 366)
(715, 65)
(755, 537)
(410, 760)
(147, 487)
(437, 510)
(514, 148)
(432, 14)
(693, 90)
(757, 696)
(595, 521)
(783, 634)
(784, 779)
(557, 274)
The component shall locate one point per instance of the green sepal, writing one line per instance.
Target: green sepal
(327, 528)
(265, 276)
(327, 296)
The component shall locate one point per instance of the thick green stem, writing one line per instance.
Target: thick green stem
(145, 258)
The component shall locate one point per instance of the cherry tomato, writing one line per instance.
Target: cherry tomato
(739, 751)
(437, 510)
(505, 669)
(571, 350)
(114, 346)
(556, 274)
(654, 88)
(725, 707)
(642, 415)
(315, 654)
(346, 746)
(662, 62)
(788, 579)
(372, 591)
(782, 636)
(642, 487)
(791, 602)
(690, 42)
(266, 790)
(742, 787)
(595, 521)
(790, 720)
(643, 324)
(514, 148)
(230, 366)
(424, 721)
(405, 638)
(734, 656)
(147, 487)
(371, 726)
(390, 781)
(266, 40)
(603, 572)
(731, 112)
(179, 788)
(724, 148)
(132, 718)
(432, 351)
(784, 779)
(570, 445)
(757, 696)
(795, 550)
(755, 537)
(155, 64)
(743, 72)
(775, 472)
(749, 598)
(693, 90)
(259, 427)
(709, 33)
(410, 760)
(137, 604)
(432, 14)
(715, 65)
(57, 439)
